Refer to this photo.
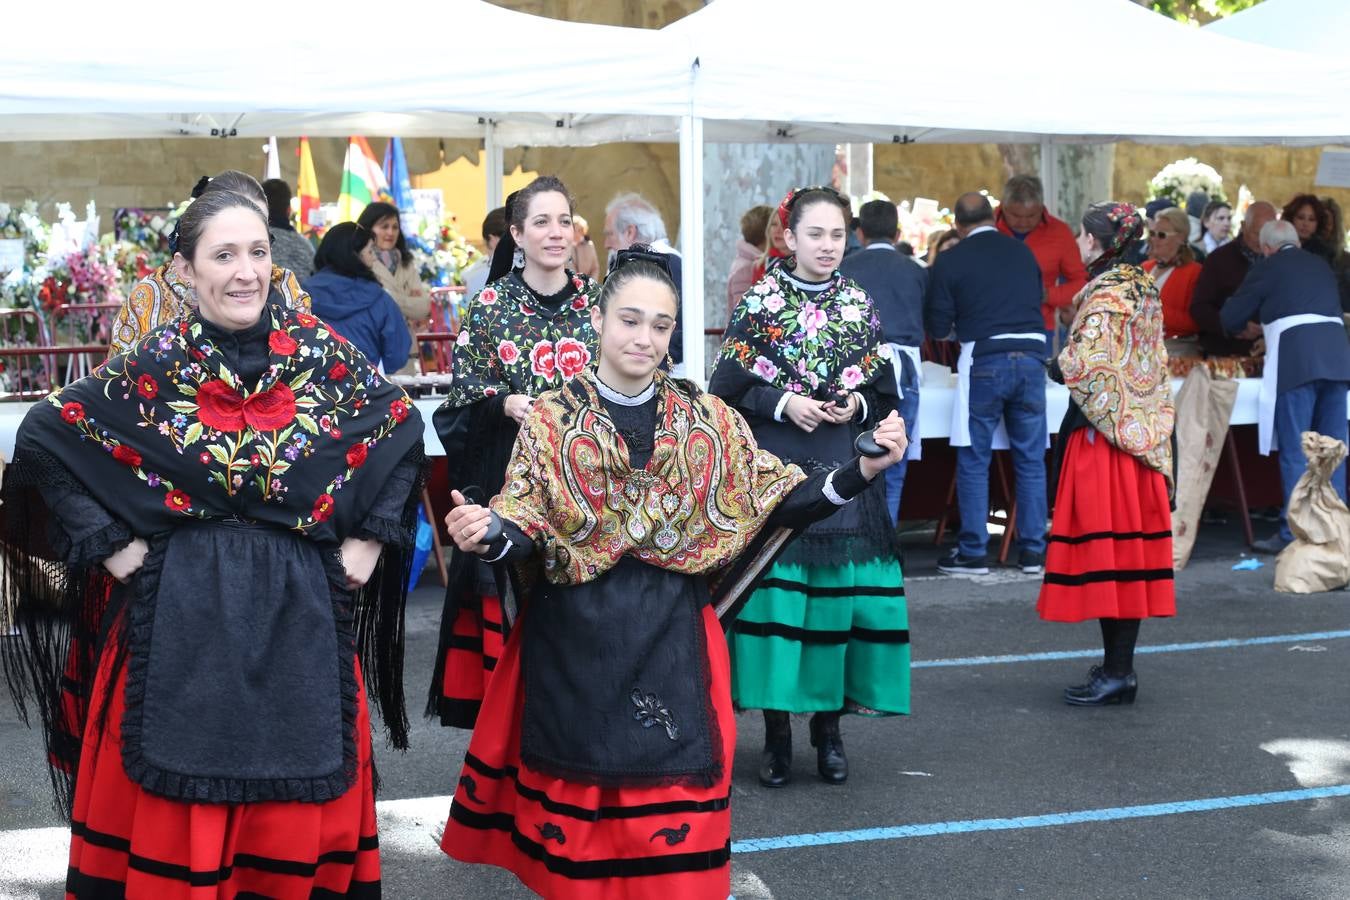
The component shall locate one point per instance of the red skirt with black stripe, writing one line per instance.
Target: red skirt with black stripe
(470, 656)
(1109, 554)
(583, 842)
(126, 842)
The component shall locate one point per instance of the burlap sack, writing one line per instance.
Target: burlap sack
(1319, 557)
(1204, 405)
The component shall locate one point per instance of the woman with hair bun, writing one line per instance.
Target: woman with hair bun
(827, 631)
(165, 295)
(1109, 554)
(601, 764)
(230, 508)
(527, 332)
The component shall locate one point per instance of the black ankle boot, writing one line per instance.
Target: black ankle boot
(775, 769)
(1103, 689)
(830, 759)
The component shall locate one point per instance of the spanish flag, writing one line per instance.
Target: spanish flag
(362, 181)
(307, 189)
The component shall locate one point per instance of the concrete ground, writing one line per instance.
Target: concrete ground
(1230, 777)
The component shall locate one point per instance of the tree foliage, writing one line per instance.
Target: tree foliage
(1200, 12)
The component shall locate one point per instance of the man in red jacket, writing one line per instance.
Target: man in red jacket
(1022, 215)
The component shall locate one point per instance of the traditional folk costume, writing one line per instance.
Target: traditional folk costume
(163, 297)
(208, 722)
(1110, 546)
(827, 630)
(601, 763)
(513, 341)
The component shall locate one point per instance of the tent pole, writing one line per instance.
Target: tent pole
(492, 154)
(691, 245)
(1049, 174)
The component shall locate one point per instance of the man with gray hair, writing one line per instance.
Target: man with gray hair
(630, 219)
(1293, 294)
(1022, 215)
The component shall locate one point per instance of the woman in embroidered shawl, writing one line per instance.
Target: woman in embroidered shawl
(1110, 545)
(228, 510)
(163, 296)
(827, 632)
(527, 332)
(601, 763)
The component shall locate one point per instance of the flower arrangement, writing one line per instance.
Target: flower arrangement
(441, 252)
(1178, 180)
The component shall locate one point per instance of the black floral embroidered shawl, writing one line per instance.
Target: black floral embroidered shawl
(168, 434)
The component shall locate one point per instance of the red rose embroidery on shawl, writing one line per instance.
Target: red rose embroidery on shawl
(272, 409)
(72, 411)
(220, 406)
(572, 357)
(487, 296)
(508, 352)
(399, 410)
(282, 343)
(177, 501)
(323, 507)
(580, 302)
(126, 456)
(356, 455)
(306, 320)
(339, 370)
(147, 387)
(542, 359)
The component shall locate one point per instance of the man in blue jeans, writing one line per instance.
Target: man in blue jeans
(896, 284)
(989, 288)
(1292, 294)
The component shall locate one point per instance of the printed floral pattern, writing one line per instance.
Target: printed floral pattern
(509, 346)
(247, 440)
(812, 344)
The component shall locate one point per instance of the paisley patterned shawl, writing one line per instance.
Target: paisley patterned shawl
(168, 430)
(507, 345)
(817, 345)
(1115, 365)
(162, 297)
(704, 495)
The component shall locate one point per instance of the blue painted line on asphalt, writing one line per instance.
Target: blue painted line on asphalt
(966, 826)
(1153, 648)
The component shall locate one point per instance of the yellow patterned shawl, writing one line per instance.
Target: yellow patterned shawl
(162, 297)
(1115, 365)
(699, 502)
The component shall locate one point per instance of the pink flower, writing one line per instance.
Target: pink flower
(507, 352)
(765, 368)
(462, 339)
(487, 296)
(542, 362)
(851, 377)
(572, 357)
(774, 302)
(811, 319)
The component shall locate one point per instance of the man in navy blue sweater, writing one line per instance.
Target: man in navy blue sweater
(1307, 372)
(896, 285)
(989, 288)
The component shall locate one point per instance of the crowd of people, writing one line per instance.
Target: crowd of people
(634, 557)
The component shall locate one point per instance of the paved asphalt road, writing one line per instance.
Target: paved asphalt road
(1230, 777)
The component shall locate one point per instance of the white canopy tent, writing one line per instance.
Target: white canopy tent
(516, 79)
(1309, 26)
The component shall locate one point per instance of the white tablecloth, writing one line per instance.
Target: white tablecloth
(935, 409)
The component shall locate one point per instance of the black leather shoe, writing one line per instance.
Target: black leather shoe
(830, 759)
(1103, 689)
(775, 769)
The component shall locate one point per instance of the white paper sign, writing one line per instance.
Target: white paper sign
(11, 254)
(1333, 169)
